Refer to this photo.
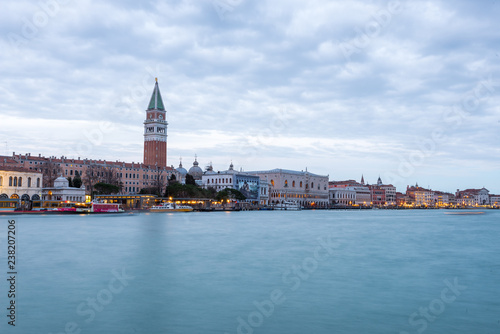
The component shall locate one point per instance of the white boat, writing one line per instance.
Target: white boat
(287, 205)
(171, 207)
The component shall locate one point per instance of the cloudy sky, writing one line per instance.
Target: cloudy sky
(407, 91)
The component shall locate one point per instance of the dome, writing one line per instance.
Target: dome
(210, 170)
(196, 171)
(61, 182)
(181, 170)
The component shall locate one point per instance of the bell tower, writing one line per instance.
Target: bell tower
(155, 131)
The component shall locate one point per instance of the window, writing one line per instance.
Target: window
(272, 183)
(286, 183)
(71, 172)
(293, 183)
(15, 181)
(301, 184)
(312, 185)
(1, 181)
(20, 182)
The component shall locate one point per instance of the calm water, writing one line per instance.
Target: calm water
(372, 271)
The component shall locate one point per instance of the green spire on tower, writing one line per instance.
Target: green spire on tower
(156, 102)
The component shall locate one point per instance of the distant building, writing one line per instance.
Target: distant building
(305, 188)
(61, 191)
(419, 196)
(249, 185)
(341, 193)
(472, 197)
(495, 200)
(343, 196)
(19, 184)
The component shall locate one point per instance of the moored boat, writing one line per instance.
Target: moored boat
(170, 207)
(106, 208)
(287, 205)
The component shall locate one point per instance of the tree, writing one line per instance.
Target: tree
(70, 182)
(106, 188)
(159, 181)
(77, 181)
(190, 179)
(230, 193)
(98, 173)
(51, 171)
(172, 179)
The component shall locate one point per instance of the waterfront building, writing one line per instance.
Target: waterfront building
(443, 199)
(377, 195)
(61, 191)
(362, 194)
(383, 193)
(249, 185)
(419, 196)
(495, 200)
(472, 197)
(264, 193)
(400, 199)
(19, 184)
(305, 188)
(342, 196)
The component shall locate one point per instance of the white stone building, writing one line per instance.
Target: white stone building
(305, 188)
(20, 184)
(63, 192)
(342, 196)
(363, 195)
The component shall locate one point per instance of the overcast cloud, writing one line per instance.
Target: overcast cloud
(407, 91)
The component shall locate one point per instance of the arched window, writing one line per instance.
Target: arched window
(272, 183)
(286, 183)
(1, 181)
(312, 185)
(38, 182)
(15, 181)
(20, 182)
(230, 180)
(293, 183)
(29, 182)
(301, 184)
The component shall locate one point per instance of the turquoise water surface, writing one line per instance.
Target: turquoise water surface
(370, 271)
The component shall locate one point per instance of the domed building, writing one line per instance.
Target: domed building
(195, 171)
(210, 170)
(182, 172)
(61, 191)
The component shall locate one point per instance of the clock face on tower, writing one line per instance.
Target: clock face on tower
(160, 117)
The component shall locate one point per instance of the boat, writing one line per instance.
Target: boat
(287, 205)
(170, 207)
(98, 207)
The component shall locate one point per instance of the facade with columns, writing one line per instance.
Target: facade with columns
(304, 188)
(19, 184)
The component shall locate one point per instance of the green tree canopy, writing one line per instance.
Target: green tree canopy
(106, 188)
(230, 193)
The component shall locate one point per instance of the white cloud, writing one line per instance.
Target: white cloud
(224, 80)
